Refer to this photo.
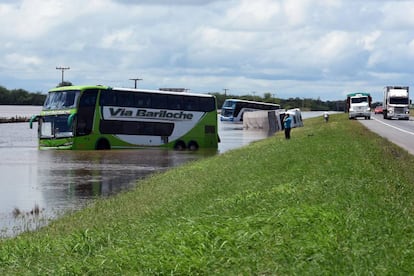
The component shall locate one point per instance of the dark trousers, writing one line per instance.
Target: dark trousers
(287, 133)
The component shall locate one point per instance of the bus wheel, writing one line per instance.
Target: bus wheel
(103, 144)
(193, 146)
(180, 145)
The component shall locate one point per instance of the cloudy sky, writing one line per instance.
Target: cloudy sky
(290, 48)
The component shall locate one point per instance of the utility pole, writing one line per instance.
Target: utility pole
(63, 70)
(136, 80)
(225, 92)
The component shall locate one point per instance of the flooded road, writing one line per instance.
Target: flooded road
(59, 181)
(54, 182)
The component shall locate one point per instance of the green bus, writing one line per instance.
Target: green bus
(100, 117)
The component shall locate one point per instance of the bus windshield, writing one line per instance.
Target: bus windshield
(61, 100)
(229, 103)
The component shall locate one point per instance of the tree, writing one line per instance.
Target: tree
(20, 97)
(4, 95)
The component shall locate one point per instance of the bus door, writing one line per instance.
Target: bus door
(86, 112)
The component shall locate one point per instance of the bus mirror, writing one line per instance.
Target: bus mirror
(32, 119)
(70, 119)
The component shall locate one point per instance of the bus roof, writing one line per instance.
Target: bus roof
(104, 87)
(77, 87)
(247, 101)
(161, 92)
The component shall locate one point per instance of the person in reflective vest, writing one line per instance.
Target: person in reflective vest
(287, 123)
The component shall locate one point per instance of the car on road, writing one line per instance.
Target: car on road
(378, 110)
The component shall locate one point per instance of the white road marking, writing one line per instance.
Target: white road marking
(397, 128)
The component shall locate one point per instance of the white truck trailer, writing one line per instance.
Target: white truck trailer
(396, 104)
(359, 105)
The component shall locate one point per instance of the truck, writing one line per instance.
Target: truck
(359, 105)
(396, 104)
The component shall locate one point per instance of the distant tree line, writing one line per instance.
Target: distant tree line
(20, 97)
(23, 97)
(306, 104)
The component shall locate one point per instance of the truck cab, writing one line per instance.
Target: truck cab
(359, 105)
(396, 102)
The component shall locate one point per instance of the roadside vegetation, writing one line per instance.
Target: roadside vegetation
(335, 199)
(20, 97)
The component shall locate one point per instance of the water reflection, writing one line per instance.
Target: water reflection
(234, 136)
(60, 181)
(101, 173)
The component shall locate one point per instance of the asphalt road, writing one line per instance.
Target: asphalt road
(399, 132)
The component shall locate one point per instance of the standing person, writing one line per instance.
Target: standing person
(326, 116)
(287, 122)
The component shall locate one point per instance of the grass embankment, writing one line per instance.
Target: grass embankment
(335, 199)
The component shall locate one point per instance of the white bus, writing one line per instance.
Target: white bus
(233, 109)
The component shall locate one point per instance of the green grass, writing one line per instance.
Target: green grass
(335, 199)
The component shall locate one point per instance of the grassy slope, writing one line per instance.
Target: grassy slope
(335, 199)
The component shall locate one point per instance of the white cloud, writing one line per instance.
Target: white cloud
(398, 15)
(29, 19)
(333, 46)
(252, 14)
(120, 40)
(22, 60)
(296, 47)
(297, 11)
(369, 41)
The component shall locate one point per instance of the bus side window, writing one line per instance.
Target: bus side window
(175, 102)
(126, 99)
(86, 112)
(108, 98)
(191, 103)
(88, 99)
(159, 101)
(142, 100)
(207, 104)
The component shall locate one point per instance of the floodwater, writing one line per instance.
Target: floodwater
(50, 183)
(37, 186)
